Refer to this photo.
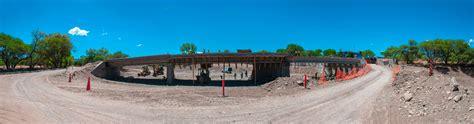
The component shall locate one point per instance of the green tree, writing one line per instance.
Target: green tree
(12, 50)
(316, 52)
(405, 52)
(117, 55)
(294, 49)
(413, 49)
(282, 51)
(68, 61)
(263, 51)
(329, 53)
(467, 57)
(410, 52)
(391, 52)
(447, 49)
(460, 52)
(188, 48)
(93, 55)
(309, 52)
(339, 53)
(37, 37)
(350, 54)
(55, 48)
(367, 53)
(429, 50)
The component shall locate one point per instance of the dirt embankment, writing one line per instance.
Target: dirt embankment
(178, 95)
(447, 96)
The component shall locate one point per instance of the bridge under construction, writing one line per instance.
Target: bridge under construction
(265, 65)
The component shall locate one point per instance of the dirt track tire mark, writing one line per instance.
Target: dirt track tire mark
(57, 105)
(326, 101)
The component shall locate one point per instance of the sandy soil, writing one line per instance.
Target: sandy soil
(151, 94)
(48, 97)
(431, 97)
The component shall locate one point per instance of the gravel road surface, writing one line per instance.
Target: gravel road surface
(31, 98)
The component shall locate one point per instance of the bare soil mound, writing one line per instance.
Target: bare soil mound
(415, 96)
(177, 96)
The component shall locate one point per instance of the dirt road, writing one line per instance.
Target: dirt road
(31, 98)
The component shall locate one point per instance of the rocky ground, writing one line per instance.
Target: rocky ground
(447, 96)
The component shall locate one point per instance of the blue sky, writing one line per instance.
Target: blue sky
(148, 27)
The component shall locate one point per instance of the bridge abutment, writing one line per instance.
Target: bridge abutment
(170, 73)
(103, 71)
(266, 71)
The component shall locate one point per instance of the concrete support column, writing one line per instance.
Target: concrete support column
(170, 73)
(349, 69)
(346, 68)
(285, 69)
(114, 72)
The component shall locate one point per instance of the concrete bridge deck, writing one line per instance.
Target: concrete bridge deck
(279, 63)
(248, 58)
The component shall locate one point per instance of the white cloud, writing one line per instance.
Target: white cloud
(470, 41)
(104, 34)
(139, 45)
(78, 31)
(119, 38)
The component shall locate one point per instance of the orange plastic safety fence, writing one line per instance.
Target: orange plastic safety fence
(322, 80)
(356, 73)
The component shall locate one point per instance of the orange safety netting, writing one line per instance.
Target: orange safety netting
(322, 80)
(339, 74)
(342, 75)
(354, 73)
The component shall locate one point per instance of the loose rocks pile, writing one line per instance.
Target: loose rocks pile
(439, 96)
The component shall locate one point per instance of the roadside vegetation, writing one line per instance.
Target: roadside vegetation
(46, 51)
(297, 50)
(93, 55)
(293, 49)
(442, 51)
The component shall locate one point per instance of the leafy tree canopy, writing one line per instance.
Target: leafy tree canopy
(188, 48)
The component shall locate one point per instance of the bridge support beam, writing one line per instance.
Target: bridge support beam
(113, 72)
(267, 71)
(169, 73)
(285, 69)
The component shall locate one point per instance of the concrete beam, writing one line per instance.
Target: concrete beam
(169, 73)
